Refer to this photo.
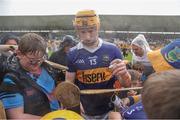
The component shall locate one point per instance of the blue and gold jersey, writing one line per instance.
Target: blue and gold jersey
(135, 111)
(92, 71)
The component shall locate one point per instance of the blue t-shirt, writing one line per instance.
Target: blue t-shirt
(45, 81)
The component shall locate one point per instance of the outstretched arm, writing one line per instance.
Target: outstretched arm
(18, 113)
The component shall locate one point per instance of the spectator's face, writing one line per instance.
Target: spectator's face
(67, 48)
(88, 36)
(11, 42)
(137, 50)
(31, 61)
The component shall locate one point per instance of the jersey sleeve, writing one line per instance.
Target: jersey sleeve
(70, 64)
(118, 53)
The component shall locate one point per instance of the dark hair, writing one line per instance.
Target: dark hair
(161, 95)
(68, 40)
(7, 36)
(138, 66)
(32, 42)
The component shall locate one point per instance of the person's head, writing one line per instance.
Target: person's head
(67, 43)
(167, 57)
(138, 66)
(31, 51)
(138, 51)
(135, 78)
(161, 95)
(135, 82)
(9, 39)
(140, 46)
(87, 25)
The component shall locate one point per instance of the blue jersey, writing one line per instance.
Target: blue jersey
(135, 111)
(92, 72)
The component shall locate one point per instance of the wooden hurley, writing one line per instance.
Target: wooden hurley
(4, 48)
(100, 91)
(55, 65)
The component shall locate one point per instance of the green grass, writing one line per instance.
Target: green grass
(129, 57)
(49, 53)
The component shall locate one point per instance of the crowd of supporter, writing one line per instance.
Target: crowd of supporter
(28, 81)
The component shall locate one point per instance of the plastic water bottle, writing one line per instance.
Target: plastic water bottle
(118, 103)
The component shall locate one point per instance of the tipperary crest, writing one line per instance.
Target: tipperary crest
(105, 58)
(173, 55)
